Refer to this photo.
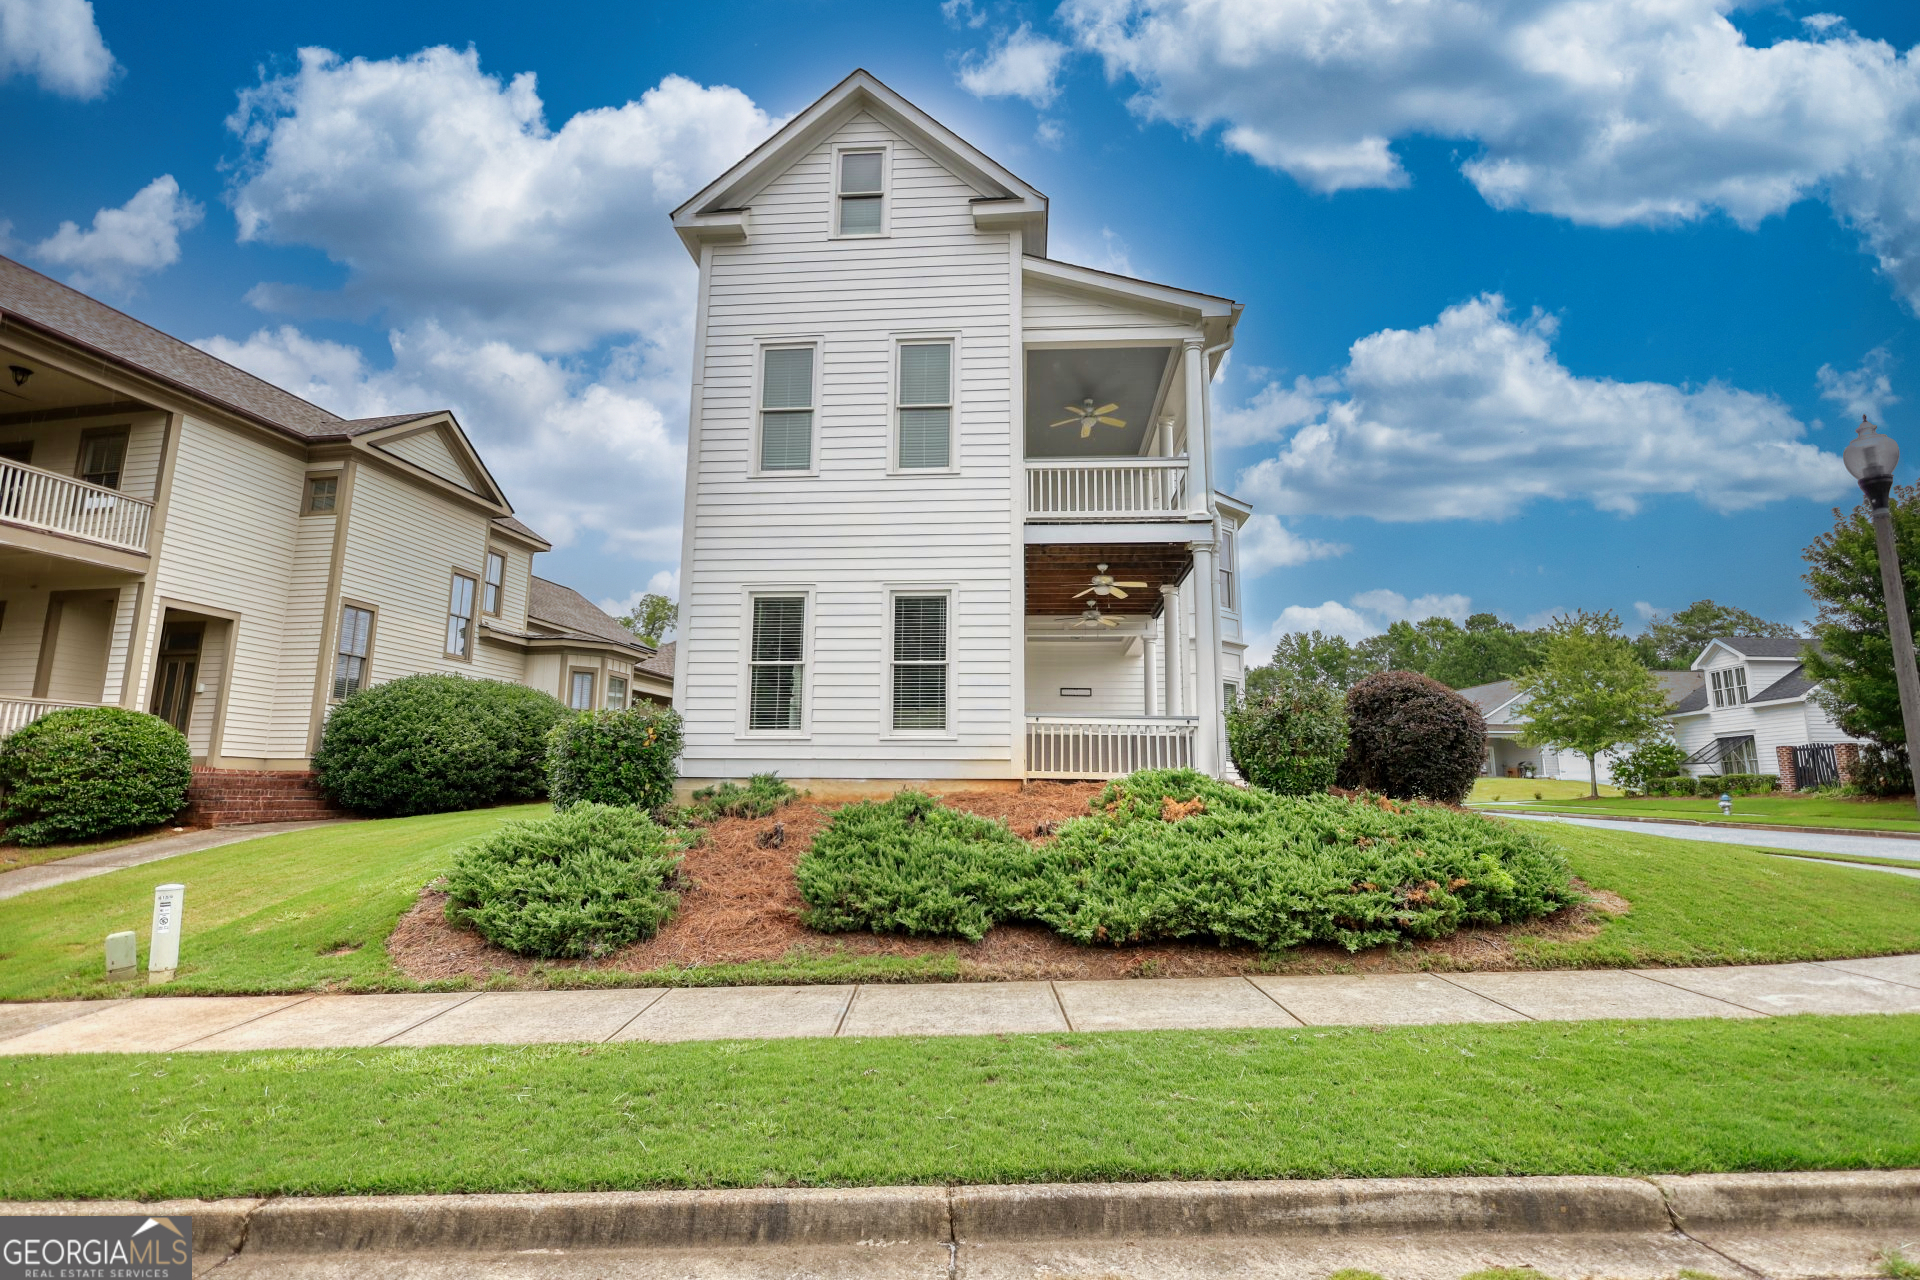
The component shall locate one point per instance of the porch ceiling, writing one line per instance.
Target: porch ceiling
(1130, 377)
(1056, 573)
(50, 393)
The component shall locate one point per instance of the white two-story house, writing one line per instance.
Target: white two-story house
(180, 537)
(1754, 710)
(951, 508)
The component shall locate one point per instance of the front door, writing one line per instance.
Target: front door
(174, 682)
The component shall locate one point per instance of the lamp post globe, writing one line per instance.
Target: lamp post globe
(1871, 457)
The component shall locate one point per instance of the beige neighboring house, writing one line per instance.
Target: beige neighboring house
(180, 537)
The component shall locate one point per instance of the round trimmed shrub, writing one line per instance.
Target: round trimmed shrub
(92, 771)
(1411, 737)
(1291, 741)
(431, 744)
(581, 883)
(614, 757)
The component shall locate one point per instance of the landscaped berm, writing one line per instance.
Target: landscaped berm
(1157, 875)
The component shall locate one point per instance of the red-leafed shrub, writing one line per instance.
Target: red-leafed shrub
(1409, 736)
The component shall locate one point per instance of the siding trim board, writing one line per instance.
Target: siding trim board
(330, 609)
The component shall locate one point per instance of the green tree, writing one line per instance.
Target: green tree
(1673, 640)
(1591, 693)
(1307, 659)
(651, 619)
(1853, 658)
(1485, 650)
(1408, 646)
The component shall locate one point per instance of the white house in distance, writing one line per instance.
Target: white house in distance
(178, 536)
(951, 509)
(1503, 707)
(1753, 709)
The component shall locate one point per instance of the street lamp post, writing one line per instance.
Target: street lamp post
(1871, 458)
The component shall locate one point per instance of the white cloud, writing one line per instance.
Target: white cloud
(1862, 392)
(1366, 614)
(577, 455)
(1473, 417)
(1050, 134)
(1019, 64)
(1606, 112)
(1266, 544)
(141, 236)
(1391, 606)
(1644, 610)
(1274, 409)
(445, 194)
(665, 582)
(57, 43)
(962, 13)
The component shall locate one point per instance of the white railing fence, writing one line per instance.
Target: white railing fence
(60, 504)
(1107, 746)
(18, 713)
(1108, 489)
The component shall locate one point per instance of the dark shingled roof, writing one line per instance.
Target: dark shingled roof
(1695, 701)
(1765, 646)
(37, 301)
(508, 522)
(661, 663)
(575, 615)
(1794, 684)
(1487, 698)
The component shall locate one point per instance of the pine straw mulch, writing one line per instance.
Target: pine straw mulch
(745, 905)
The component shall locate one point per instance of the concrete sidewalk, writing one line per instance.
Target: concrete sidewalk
(1886, 845)
(101, 861)
(1889, 984)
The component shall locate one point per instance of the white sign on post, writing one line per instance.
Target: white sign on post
(163, 954)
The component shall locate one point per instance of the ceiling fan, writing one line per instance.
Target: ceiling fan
(1104, 585)
(1086, 415)
(1094, 618)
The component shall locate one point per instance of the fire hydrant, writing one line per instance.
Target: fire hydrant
(1726, 804)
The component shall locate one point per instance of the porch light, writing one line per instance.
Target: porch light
(20, 374)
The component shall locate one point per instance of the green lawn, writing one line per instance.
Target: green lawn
(1618, 1098)
(1787, 810)
(1485, 789)
(265, 915)
(313, 909)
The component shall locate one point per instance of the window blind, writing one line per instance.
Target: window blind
(920, 662)
(786, 403)
(860, 193)
(350, 652)
(926, 405)
(779, 651)
(460, 615)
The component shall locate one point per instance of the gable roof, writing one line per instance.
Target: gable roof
(661, 663)
(1757, 646)
(1489, 698)
(571, 613)
(718, 211)
(1681, 689)
(1790, 687)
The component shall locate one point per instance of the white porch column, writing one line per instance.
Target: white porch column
(1206, 664)
(1193, 368)
(1147, 700)
(1170, 620)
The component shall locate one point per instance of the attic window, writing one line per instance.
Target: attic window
(862, 193)
(1729, 686)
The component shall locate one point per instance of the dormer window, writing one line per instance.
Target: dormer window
(862, 193)
(1729, 686)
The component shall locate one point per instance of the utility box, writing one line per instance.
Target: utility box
(123, 956)
(163, 956)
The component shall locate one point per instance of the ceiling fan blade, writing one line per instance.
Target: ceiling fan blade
(1086, 429)
(1114, 422)
(1115, 592)
(1105, 408)
(1089, 591)
(1065, 422)
(1108, 622)
(1137, 586)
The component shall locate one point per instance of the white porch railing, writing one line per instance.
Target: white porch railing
(1107, 746)
(1106, 489)
(18, 713)
(60, 504)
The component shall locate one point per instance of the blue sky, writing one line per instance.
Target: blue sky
(1547, 305)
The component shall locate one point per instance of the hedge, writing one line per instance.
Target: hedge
(1290, 741)
(434, 743)
(1411, 737)
(1174, 854)
(91, 771)
(614, 757)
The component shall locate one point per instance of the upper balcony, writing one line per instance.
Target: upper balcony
(47, 502)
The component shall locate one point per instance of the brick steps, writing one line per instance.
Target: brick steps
(240, 797)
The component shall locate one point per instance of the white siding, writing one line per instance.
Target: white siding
(1047, 305)
(306, 624)
(79, 668)
(20, 632)
(853, 530)
(1101, 665)
(430, 451)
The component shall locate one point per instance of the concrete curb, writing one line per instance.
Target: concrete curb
(1871, 833)
(1486, 1208)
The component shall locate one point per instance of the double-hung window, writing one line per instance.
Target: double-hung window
(580, 696)
(1729, 686)
(920, 662)
(460, 618)
(925, 406)
(777, 675)
(786, 409)
(616, 693)
(1228, 600)
(496, 577)
(350, 651)
(102, 454)
(862, 193)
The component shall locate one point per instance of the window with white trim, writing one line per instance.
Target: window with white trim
(862, 193)
(920, 662)
(786, 409)
(924, 408)
(460, 617)
(496, 577)
(1729, 686)
(1228, 564)
(616, 693)
(350, 651)
(580, 696)
(777, 665)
